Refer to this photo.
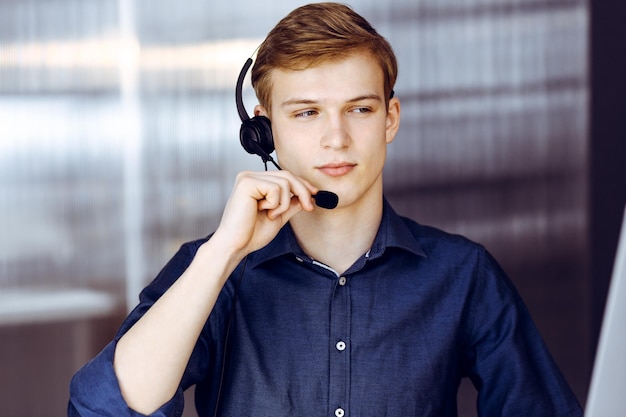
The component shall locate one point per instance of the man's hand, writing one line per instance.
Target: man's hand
(259, 206)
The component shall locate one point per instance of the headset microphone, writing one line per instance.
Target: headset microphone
(326, 199)
(256, 138)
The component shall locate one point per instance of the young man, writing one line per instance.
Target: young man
(289, 309)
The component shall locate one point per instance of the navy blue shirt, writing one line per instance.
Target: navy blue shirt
(391, 336)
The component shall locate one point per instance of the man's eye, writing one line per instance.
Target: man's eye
(362, 110)
(306, 113)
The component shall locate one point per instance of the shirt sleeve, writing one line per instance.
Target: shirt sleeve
(507, 359)
(95, 390)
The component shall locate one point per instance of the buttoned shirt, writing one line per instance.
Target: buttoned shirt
(391, 336)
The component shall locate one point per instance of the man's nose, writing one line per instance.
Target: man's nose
(336, 133)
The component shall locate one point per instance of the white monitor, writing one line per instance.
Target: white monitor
(607, 392)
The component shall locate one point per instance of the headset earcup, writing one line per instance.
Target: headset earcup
(256, 137)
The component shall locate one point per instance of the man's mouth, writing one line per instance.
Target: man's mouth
(337, 169)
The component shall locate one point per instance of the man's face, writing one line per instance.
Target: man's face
(331, 126)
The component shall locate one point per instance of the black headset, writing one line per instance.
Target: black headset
(255, 133)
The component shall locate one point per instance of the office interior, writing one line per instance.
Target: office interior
(119, 142)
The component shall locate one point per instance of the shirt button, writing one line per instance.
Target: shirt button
(341, 346)
(339, 412)
(342, 281)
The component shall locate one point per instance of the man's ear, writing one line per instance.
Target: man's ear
(393, 119)
(260, 111)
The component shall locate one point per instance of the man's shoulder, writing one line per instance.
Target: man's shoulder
(433, 239)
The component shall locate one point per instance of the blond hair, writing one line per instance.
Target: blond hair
(315, 34)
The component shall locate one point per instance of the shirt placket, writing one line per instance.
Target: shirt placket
(339, 366)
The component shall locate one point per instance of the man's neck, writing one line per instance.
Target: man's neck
(340, 236)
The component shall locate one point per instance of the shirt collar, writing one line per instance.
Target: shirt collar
(393, 232)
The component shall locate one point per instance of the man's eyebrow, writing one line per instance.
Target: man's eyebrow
(297, 101)
(365, 97)
(300, 101)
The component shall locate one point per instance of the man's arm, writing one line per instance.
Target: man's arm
(151, 357)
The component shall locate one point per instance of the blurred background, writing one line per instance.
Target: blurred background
(119, 142)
